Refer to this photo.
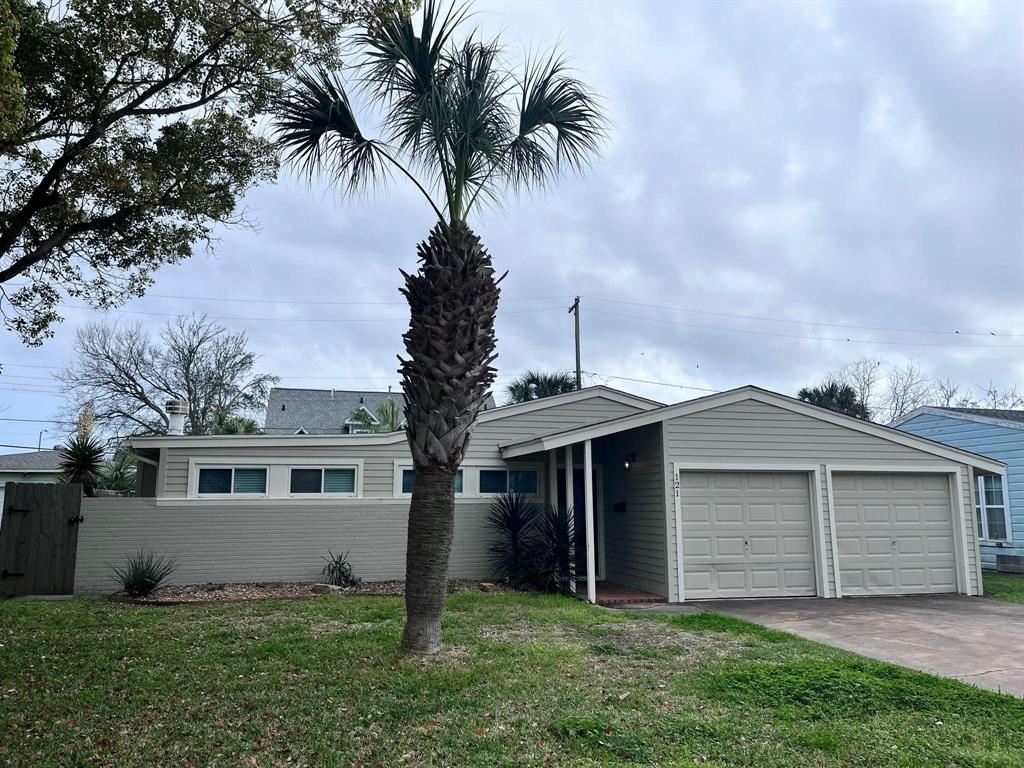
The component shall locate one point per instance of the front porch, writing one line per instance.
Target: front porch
(616, 487)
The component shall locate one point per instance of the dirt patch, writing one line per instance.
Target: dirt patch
(208, 594)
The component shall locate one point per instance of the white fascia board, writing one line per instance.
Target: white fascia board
(977, 417)
(579, 395)
(570, 437)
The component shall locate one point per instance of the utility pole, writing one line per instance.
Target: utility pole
(575, 310)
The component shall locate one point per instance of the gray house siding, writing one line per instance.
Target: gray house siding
(239, 543)
(1003, 443)
(635, 537)
(379, 460)
(751, 432)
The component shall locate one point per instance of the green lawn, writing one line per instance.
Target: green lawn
(525, 681)
(1008, 587)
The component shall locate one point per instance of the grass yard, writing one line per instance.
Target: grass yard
(1008, 587)
(525, 681)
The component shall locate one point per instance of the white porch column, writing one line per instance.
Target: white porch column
(569, 507)
(588, 506)
(553, 478)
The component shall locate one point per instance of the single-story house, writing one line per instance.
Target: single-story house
(739, 494)
(998, 501)
(30, 467)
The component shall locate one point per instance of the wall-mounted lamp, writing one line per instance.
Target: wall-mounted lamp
(628, 461)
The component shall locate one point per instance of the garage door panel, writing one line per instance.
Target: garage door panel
(696, 513)
(760, 534)
(724, 514)
(894, 533)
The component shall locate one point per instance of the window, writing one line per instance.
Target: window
(409, 481)
(991, 508)
(323, 480)
(502, 480)
(223, 481)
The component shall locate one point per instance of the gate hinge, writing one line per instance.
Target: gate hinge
(13, 510)
(8, 574)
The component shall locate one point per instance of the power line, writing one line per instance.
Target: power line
(808, 338)
(38, 421)
(806, 322)
(648, 381)
(295, 319)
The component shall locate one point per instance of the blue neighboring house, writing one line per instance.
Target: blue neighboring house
(999, 502)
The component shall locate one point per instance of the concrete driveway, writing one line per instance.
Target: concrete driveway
(976, 640)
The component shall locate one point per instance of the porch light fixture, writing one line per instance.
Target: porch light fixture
(628, 461)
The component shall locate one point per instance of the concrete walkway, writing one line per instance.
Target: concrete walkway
(976, 640)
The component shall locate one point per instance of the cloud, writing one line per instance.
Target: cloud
(842, 163)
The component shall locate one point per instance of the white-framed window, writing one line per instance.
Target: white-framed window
(498, 480)
(322, 481)
(992, 508)
(406, 480)
(231, 481)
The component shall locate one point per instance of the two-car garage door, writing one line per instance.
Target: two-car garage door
(752, 534)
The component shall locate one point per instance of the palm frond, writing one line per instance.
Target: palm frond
(477, 119)
(407, 71)
(316, 128)
(561, 124)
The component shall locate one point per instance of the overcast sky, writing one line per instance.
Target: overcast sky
(782, 183)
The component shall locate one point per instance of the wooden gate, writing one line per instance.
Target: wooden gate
(39, 539)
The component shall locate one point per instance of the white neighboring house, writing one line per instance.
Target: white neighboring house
(30, 467)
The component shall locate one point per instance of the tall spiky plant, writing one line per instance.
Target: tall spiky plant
(462, 125)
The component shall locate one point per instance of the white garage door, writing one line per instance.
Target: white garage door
(894, 533)
(746, 534)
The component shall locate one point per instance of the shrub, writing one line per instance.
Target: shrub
(534, 544)
(143, 572)
(118, 474)
(550, 562)
(513, 517)
(338, 571)
(453, 585)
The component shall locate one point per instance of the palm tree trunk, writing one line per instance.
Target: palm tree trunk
(450, 344)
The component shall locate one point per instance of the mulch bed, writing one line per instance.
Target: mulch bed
(210, 594)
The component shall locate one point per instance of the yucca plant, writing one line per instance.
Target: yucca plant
(81, 459)
(512, 517)
(462, 124)
(338, 571)
(551, 564)
(143, 572)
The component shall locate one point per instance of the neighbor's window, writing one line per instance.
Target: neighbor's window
(231, 480)
(409, 481)
(323, 480)
(991, 508)
(513, 480)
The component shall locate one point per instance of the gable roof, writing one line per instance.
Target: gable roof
(33, 461)
(577, 434)
(999, 416)
(294, 437)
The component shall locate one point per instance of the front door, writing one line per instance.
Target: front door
(579, 519)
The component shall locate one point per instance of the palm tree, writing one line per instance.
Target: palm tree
(387, 417)
(533, 385)
(835, 396)
(461, 125)
(235, 425)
